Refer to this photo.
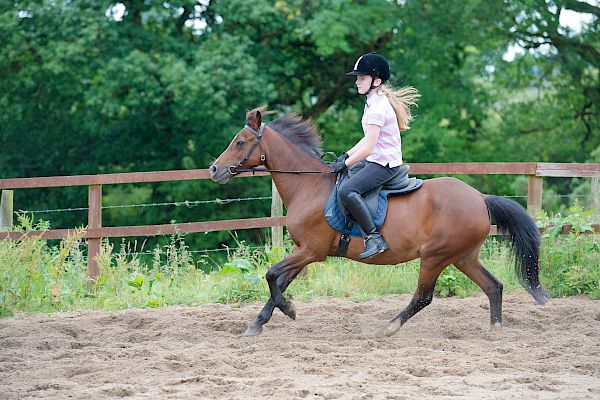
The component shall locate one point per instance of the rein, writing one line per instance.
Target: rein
(280, 171)
(236, 169)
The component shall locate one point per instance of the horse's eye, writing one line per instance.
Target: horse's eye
(240, 143)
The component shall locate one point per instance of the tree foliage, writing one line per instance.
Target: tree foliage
(96, 87)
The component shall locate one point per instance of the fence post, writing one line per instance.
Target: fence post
(94, 221)
(595, 197)
(6, 210)
(534, 194)
(276, 211)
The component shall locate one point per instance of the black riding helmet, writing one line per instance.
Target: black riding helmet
(372, 64)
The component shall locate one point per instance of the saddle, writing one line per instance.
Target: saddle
(340, 219)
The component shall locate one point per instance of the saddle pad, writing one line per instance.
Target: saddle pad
(336, 220)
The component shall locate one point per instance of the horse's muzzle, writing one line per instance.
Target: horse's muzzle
(219, 175)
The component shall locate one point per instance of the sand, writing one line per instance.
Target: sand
(330, 352)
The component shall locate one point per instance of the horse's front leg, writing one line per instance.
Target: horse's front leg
(279, 276)
(285, 267)
(267, 311)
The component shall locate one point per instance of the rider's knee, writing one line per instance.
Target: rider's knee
(344, 193)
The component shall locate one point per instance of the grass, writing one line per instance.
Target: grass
(38, 278)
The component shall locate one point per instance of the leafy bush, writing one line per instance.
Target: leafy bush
(452, 282)
(570, 263)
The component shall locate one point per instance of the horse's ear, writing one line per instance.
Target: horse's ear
(254, 119)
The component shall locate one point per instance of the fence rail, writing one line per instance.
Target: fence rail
(95, 231)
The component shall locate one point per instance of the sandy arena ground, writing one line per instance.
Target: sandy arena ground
(330, 352)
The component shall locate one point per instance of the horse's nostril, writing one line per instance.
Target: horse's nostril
(212, 169)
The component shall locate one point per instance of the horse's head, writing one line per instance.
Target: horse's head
(244, 151)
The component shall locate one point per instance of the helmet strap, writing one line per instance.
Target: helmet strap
(372, 87)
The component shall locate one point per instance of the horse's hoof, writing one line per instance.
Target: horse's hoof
(253, 330)
(290, 310)
(391, 328)
(496, 327)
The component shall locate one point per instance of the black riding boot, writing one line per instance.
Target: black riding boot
(374, 242)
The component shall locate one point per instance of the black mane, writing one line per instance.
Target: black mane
(301, 132)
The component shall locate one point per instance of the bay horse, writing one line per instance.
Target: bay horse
(444, 222)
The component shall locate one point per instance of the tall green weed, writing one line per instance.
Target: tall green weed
(38, 277)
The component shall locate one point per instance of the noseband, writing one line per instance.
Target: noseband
(236, 169)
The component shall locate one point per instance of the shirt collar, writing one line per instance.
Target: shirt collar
(374, 98)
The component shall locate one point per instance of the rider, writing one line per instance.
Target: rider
(386, 114)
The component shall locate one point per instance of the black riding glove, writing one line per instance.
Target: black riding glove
(339, 165)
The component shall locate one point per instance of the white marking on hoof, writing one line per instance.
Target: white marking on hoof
(496, 326)
(253, 331)
(391, 328)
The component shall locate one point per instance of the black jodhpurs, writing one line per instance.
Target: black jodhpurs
(371, 176)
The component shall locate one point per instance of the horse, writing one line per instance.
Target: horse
(444, 222)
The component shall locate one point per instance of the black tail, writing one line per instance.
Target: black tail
(512, 220)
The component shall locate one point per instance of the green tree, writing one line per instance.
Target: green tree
(165, 85)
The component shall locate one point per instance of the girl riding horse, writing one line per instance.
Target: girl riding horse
(386, 113)
(445, 222)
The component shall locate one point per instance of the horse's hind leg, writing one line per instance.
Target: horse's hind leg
(428, 274)
(472, 267)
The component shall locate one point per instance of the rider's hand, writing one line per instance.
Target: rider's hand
(339, 165)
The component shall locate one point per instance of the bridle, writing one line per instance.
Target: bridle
(236, 169)
(258, 134)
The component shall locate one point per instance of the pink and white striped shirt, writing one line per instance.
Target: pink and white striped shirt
(379, 111)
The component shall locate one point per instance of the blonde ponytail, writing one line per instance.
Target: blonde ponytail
(401, 100)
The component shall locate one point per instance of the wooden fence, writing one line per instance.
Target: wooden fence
(95, 231)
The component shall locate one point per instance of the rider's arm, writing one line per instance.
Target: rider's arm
(365, 146)
(356, 146)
